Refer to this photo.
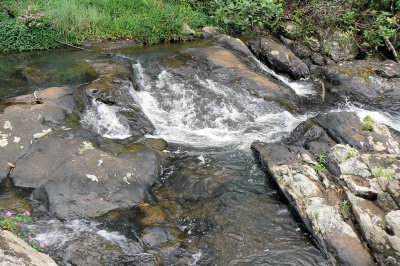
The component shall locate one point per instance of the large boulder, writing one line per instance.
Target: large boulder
(15, 252)
(374, 83)
(278, 57)
(229, 66)
(337, 45)
(77, 179)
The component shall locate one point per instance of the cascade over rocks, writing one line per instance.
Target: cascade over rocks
(278, 57)
(360, 186)
(370, 82)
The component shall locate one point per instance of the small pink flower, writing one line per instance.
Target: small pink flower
(26, 12)
(19, 17)
(26, 16)
(28, 213)
(34, 240)
(30, 24)
(42, 245)
(29, 7)
(47, 254)
(9, 214)
(38, 24)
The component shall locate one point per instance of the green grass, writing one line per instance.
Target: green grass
(145, 21)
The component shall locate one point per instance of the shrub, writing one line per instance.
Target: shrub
(12, 223)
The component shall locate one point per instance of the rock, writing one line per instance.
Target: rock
(79, 180)
(227, 65)
(289, 30)
(155, 236)
(17, 129)
(371, 221)
(15, 251)
(187, 30)
(392, 220)
(370, 82)
(315, 203)
(93, 249)
(338, 45)
(210, 31)
(346, 128)
(317, 59)
(113, 88)
(279, 57)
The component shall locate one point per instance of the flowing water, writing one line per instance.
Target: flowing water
(216, 207)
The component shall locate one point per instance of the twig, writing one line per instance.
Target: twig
(322, 88)
(73, 46)
(10, 13)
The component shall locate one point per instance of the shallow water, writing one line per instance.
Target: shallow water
(213, 202)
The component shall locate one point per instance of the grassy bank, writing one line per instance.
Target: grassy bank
(373, 23)
(145, 21)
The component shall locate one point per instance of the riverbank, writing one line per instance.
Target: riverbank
(370, 27)
(36, 26)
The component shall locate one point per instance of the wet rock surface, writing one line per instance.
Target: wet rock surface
(278, 57)
(226, 66)
(336, 175)
(371, 82)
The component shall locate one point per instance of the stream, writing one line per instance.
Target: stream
(213, 205)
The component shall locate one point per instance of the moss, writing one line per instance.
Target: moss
(286, 104)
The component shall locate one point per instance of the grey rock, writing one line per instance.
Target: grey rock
(93, 249)
(338, 46)
(187, 30)
(210, 31)
(79, 180)
(371, 82)
(155, 236)
(317, 59)
(392, 220)
(279, 57)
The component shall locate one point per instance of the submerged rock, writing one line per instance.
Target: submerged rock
(370, 82)
(361, 178)
(15, 251)
(279, 58)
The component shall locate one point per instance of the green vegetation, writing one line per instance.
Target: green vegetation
(380, 172)
(368, 123)
(372, 23)
(369, 22)
(145, 21)
(319, 167)
(345, 206)
(242, 14)
(352, 153)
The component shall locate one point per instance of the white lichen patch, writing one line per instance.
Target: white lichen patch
(92, 177)
(7, 125)
(16, 139)
(127, 178)
(4, 140)
(42, 134)
(86, 145)
(100, 163)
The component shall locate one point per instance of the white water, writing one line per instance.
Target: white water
(104, 119)
(206, 113)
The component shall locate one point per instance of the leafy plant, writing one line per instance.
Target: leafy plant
(244, 14)
(368, 123)
(13, 223)
(345, 206)
(319, 167)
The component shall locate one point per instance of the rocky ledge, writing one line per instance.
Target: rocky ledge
(74, 171)
(342, 177)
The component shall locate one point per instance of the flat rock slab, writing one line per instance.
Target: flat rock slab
(78, 179)
(315, 201)
(15, 252)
